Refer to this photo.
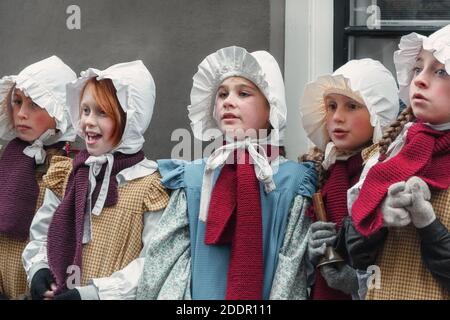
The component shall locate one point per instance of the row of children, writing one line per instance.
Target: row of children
(107, 223)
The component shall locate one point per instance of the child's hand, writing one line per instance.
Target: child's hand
(323, 234)
(42, 285)
(341, 277)
(421, 210)
(50, 294)
(72, 294)
(394, 206)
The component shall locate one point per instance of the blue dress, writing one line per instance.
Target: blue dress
(209, 263)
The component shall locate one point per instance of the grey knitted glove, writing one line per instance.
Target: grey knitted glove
(421, 210)
(394, 206)
(341, 277)
(323, 234)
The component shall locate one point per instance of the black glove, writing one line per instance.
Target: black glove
(341, 277)
(40, 283)
(72, 294)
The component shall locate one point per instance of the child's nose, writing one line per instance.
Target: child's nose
(91, 120)
(421, 80)
(338, 115)
(23, 112)
(229, 102)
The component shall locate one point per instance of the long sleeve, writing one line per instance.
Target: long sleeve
(122, 284)
(167, 268)
(359, 251)
(34, 257)
(290, 280)
(435, 249)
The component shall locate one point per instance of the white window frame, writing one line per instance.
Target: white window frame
(308, 54)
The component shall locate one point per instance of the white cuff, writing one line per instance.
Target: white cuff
(88, 292)
(35, 268)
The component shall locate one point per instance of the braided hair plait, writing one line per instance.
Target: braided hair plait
(392, 132)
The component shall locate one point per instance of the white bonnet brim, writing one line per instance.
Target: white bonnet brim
(410, 46)
(366, 81)
(259, 67)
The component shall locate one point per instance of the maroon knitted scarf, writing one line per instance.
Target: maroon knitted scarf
(343, 174)
(235, 217)
(19, 189)
(426, 154)
(65, 232)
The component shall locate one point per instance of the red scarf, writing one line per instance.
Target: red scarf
(343, 174)
(425, 155)
(235, 216)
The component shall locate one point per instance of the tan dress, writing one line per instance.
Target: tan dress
(116, 232)
(13, 280)
(403, 273)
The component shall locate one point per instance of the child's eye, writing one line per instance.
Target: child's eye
(331, 106)
(417, 70)
(442, 73)
(353, 106)
(222, 94)
(85, 110)
(102, 113)
(16, 102)
(244, 94)
(34, 105)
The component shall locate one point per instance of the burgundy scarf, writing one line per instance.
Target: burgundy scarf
(235, 216)
(19, 189)
(343, 175)
(425, 155)
(65, 232)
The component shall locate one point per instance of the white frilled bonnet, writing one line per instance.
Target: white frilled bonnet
(410, 45)
(366, 81)
(136, 93)
(45, 83)
(260, 67)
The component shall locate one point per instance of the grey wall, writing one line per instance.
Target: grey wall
(170, 36)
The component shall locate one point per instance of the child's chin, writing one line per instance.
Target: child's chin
(93, 151)
(97, 151)
(26, 137)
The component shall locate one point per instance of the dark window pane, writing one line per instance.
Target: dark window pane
(400, 12)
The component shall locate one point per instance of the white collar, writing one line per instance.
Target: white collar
(141, 169)
(439, 127)
(332, 154)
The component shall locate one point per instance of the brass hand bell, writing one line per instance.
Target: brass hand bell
(331, 256)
